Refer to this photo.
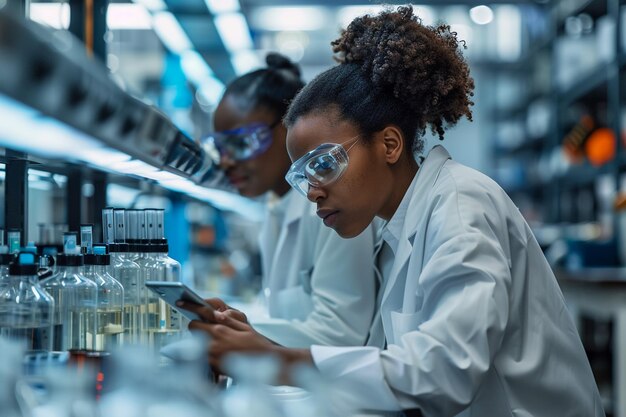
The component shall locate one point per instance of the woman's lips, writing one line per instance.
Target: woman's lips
(328, 216)
(237, 180)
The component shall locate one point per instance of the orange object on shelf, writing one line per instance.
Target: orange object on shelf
(600, 147)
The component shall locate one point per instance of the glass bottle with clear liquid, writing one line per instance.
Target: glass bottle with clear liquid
(126, 272)
(26, 309)
(173, 273)
(161, 324)
(109, 313)
(76, 298)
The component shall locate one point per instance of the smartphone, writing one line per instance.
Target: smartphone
(171, 291)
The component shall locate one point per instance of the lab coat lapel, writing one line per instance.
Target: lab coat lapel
(287, 236)
(427, 176)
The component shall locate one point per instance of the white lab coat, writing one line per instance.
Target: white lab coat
(321, 288)
(475, 322)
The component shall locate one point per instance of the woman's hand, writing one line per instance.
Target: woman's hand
(219, 305)
(229, 334)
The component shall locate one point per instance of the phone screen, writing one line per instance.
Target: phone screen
(171, 292)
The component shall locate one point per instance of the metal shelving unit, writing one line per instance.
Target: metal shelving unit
(62, 111)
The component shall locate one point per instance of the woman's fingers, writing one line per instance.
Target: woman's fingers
(218, 304)
(207, 314)
(233, 314)
(231, 319)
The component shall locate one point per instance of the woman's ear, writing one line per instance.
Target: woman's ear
(393, 140)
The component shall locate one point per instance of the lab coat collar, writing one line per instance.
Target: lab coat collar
(294, 205)
(417, 195)
(426, 177)
(392, 231)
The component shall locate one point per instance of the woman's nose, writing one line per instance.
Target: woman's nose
(315, 193)
(226, 162)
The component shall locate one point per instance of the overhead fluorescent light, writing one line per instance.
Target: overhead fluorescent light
(211, 90)
(195, 67)
(128, 16)
(171, 33)
(509, 28)
(222, 6)
(245, 61)
(199, 74)
(234, 31)
(152, 5)
(347, 14)
(289, 18)
(55, 15)
(120, 16)
(481, 15)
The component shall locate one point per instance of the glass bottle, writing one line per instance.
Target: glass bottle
(126, 272)
(161, 324)
(26, 309)
(76, 299)
(109, 314)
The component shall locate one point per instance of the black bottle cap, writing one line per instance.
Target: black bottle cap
(70, 260)
(6, 258)
(118, 247)
(91, 259)
(18, 269)
(25, 263)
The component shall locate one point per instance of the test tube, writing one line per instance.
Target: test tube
(151, 224)
(160, 229)
(69, 243)
(86, 238)
(1, 237)
(14, 238)
(120, 225)
(143, 231)
(108, 232)
(132, 225)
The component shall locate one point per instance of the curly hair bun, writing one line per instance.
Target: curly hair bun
(422, 66)
(277, 61)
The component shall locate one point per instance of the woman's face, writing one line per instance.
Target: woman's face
(265, 172)
(349, 204)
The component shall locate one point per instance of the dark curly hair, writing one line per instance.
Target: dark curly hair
(393, 71)
(272, 87)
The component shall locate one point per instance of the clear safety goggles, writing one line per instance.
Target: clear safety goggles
(321, 166)
(243, 143)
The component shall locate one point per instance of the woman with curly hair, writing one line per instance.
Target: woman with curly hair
(472, 319)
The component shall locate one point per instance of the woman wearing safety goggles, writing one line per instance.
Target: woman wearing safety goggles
(313, 295)
(472, 315)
